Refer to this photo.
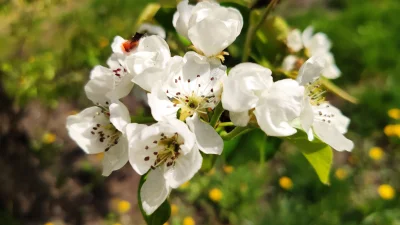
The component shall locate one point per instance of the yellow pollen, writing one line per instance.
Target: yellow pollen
(316, 93)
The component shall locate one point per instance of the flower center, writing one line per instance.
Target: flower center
(165, 150)
(315, 93)
(105, 132)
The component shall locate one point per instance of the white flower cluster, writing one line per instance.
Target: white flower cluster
(182, 94)
(305, 45)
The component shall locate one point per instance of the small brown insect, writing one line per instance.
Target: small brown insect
(131, 44)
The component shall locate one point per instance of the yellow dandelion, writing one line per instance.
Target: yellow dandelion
(49, 138)
(189, 221)
(228, 169)
(174, 210)
(396, 130)
(394, 113)
(341, 174)
(215, 194)
(389, 130)
(184, 185)
(285, 183)
(386, 191)
(376, 153)
(123, 206)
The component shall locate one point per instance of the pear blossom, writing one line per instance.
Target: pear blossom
(100, 129)
(242, 90)
(276, 104)
(210, 27)
(314, 44)
(318, 116)
(168, 152)
(152, 29)
(192, 86)
(149, 60)
(109, 83)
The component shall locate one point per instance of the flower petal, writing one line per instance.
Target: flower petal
(280, 106)
(116, 157)
(307, 118)
(119, 116)
(294, 41)
(244, 85)
(154, 191)
(152, 30)
(240, 119)
(289, 62)
(207, 138)
(185, 167)
(182, 16)
(329, 134)
(311, 70)
(161, 107)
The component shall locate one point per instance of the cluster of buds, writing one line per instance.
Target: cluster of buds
(184, 93)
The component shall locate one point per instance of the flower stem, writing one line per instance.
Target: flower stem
(253, 29)
(218, 110)
(338, 91)
(237, 131)
(225, 124)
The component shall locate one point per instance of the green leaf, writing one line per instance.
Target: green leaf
(318, 154)
(161, 215)
(208, 162)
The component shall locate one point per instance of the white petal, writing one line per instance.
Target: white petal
(182, 16)
(161, 107)
(244, 85)
(79, 127)
(182, 129)
(311, 70)
(119, 115)
(240, 119)
(185, 167)
(338, 120)
(116, 46)
(329, 134)
(152, 30)
(319, 43)
(307, 118)
(289, 62)
(154, 191)
(116, 157)
(307, 35)
(294, 41)
(207, 138)
(225, 24)
(280, 105)
(331, 72)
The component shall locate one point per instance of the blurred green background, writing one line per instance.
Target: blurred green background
(47, 49)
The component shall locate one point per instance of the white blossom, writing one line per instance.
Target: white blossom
(109, 83)
(169, 152)
(192, 85)
(210, 27)
(318, 116)
(149, 60)
(102, 129)
(315, 45)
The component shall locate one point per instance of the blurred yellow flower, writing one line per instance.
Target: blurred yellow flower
(49, 138)
(211, 172)
(376, 153)
(166, 223)
(123, 206)
(285, 183)
(394, 113)
(174, 209)
(228, 169)
(188, 221)
(392, 130)
(117, 224)
(185, 185)
(215, 194)
(49, 223)
(103, 42)
(386, 191)
(341, 174)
